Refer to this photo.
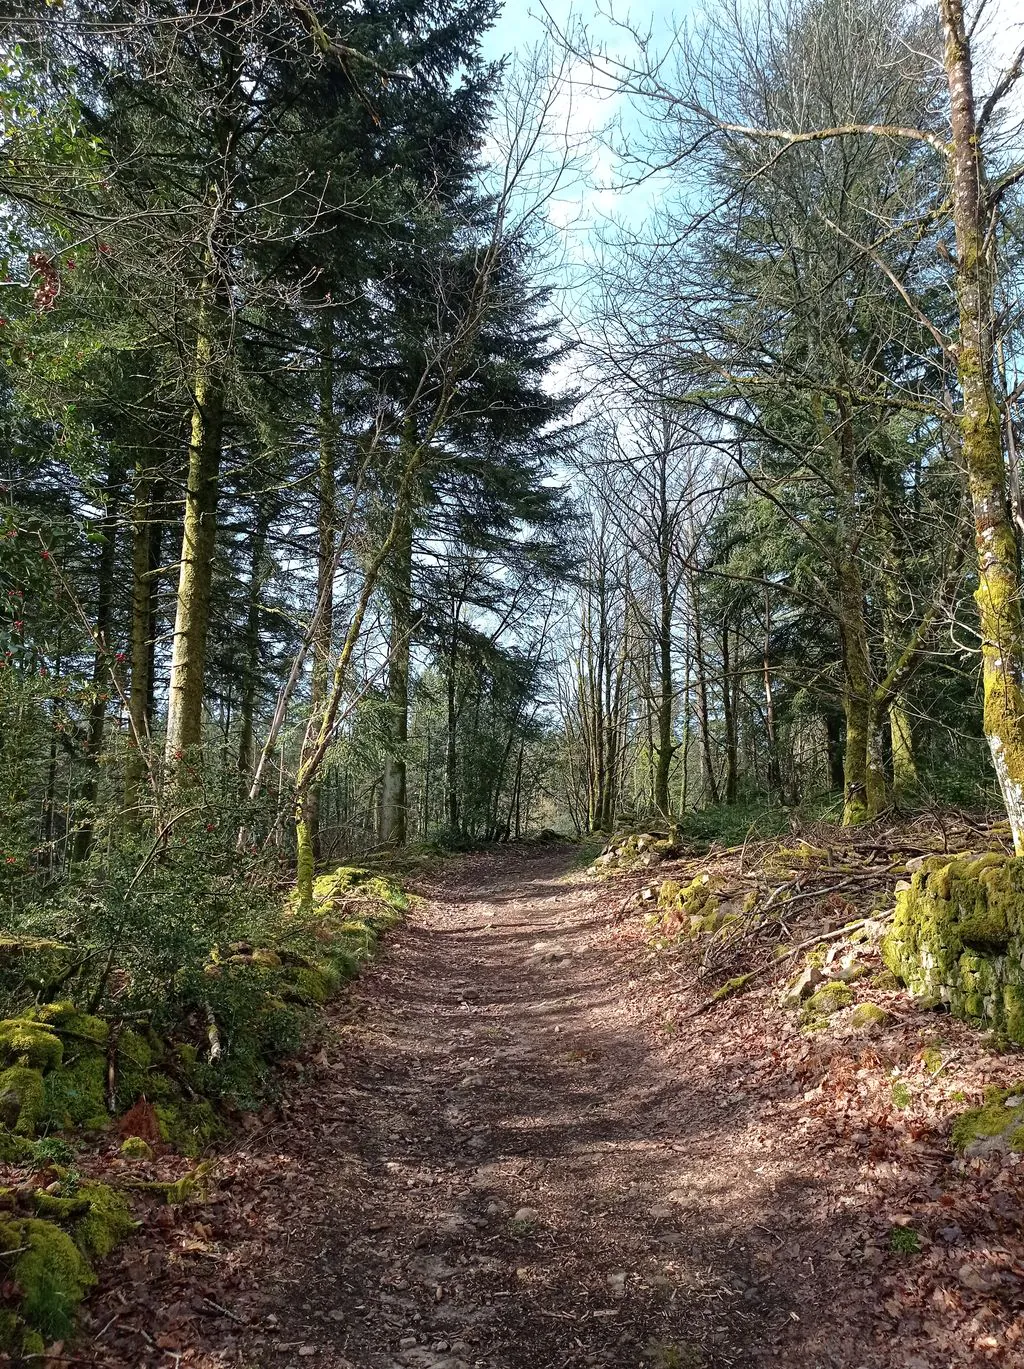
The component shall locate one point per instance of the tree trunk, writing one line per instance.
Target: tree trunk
(192, 616)
(703, 716)
(859, 787)
(394, 795)
(666, 697)
(998, 592)
(89, 790)
(729, 696)
(327, 534)
(251, 666)
(145, 532)
(904, 769)
(834, 749)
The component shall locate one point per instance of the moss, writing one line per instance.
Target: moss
(931, 1059)
(190, 1127)
(829, 999)
(23, 1042)
(14, 1150)
(67, 1020)
(135, 1148)
(76, 1094)
(106, 1223)
(732, 986)
(868, 1015)
(50, 1271)
(957, 937)
(994, 1119)
(312, 985)
(191, 1187)
(58, 1209)
(901, 1095)
(22, 1098)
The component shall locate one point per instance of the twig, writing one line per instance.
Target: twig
(208, 1302)
(833, 935)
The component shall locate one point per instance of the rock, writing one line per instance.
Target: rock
(831, 998)
(525, 1216)
(972, 1277)
(617, 1283)
(407, 1343)
(996, 1128)
(869, 1017)
(809, 978)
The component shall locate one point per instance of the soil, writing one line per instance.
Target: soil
(516, 1151)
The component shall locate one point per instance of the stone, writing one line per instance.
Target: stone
(809, 978)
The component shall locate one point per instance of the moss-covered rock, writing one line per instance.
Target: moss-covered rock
(996, 1127)
(869, 1017)
(826, 1002)
(43, 1262)
(311, 984)
(14, 1150)
(21, 1099)
(190, 1126)
(106, 1223)
(135, 1148)
(24, 1042)
(76, 1094)
(957, 937)
(690, 910)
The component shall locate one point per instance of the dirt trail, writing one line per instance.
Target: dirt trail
(502, 1159)
(514, 1172)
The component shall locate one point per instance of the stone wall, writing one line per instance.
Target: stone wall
(957, 937)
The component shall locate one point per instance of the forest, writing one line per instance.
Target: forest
(430, 433)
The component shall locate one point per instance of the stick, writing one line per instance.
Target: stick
(833, 935)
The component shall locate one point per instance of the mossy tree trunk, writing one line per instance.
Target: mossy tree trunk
(327, 539)
(904, 767)
(998, 592)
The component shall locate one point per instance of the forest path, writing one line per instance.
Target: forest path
(514, 1166)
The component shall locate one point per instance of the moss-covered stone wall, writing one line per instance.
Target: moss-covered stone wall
(957, 937)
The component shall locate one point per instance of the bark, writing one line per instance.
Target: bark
(666, 697)
(327, 538)
(773, 769)
(904, 768)
(192, 615)
(145, 559)
(998, 592)
(710, 781)
(729, 697)
(394, 822)
(859, 785)
(251, 666)
(105, 571)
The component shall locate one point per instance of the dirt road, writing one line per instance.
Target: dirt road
(516, 1151)
(527, 1175)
